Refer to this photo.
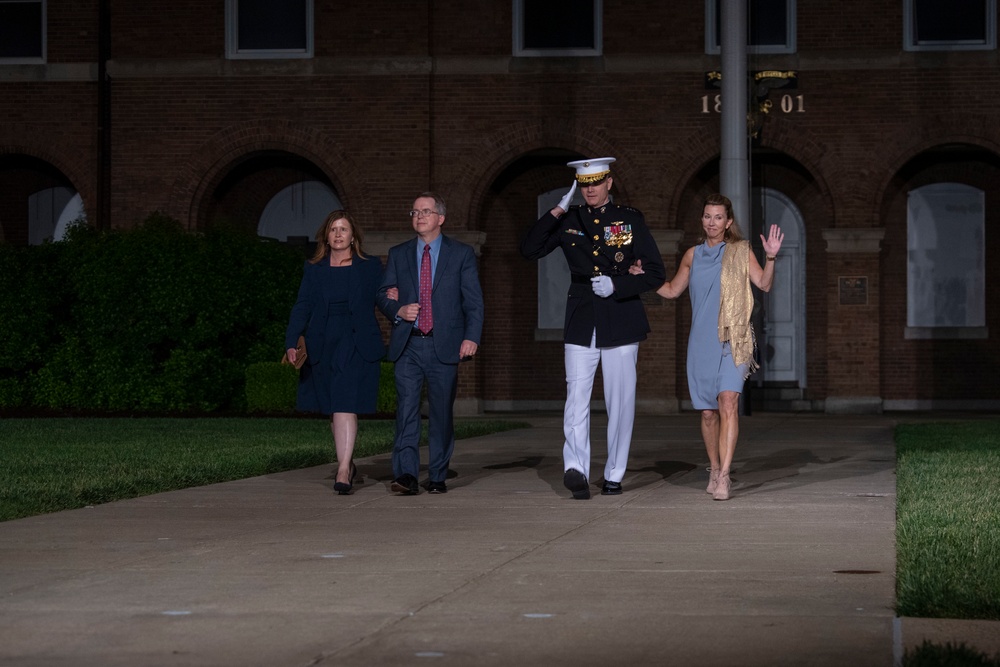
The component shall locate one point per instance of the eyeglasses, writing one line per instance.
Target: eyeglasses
(423, 213)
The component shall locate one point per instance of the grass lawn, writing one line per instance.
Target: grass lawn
(948, 520)
(48, 465)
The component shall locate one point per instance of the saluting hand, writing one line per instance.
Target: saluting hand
(563, 204)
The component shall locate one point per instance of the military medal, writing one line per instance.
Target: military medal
(618, 234)
(619, 256)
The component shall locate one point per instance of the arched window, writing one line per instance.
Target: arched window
(295, 213)
(50, 211)
(946, 262)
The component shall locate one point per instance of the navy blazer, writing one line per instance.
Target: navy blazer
(310, 307)
(457, 295)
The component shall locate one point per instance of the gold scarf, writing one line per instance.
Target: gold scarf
(736, 304)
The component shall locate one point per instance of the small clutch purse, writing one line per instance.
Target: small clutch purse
(300, 354)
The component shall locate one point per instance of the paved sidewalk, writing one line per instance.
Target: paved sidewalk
(505, 569)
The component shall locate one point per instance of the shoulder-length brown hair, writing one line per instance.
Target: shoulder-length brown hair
(733, 231)
(357, 236)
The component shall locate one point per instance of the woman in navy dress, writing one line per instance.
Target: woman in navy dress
(719, 271)
(335, 311)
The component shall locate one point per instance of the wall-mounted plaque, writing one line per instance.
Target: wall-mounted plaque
(853, 290)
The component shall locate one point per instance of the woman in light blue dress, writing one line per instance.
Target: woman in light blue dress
(715, 378)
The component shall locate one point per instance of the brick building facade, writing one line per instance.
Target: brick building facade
(391, 99)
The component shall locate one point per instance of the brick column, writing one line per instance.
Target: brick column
(853, 348)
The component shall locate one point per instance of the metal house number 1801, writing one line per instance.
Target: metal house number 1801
(789, 103)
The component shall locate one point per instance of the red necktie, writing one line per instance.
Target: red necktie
(426, 313)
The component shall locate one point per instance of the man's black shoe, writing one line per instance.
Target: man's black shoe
(436, 487)
(611, 488)
(574, 480)
(405, 484)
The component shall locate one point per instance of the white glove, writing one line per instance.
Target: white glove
(564, 202)
(603, 287)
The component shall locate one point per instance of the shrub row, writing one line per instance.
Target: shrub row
(149, 319)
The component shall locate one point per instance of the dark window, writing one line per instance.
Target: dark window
(770, 26)
(21, 30)
(269, 28)
(272, 25)
(557, 27)
(954, 21)
(768, 22)
(558, 24)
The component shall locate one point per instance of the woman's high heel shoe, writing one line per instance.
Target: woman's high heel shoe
(344, 488)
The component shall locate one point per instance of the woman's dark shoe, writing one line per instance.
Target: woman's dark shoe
(344, 488)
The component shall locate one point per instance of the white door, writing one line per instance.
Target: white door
(782, 342)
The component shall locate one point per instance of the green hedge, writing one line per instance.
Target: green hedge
(153, 318)
(271, 387)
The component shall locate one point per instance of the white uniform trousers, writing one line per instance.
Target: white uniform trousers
(618, 369)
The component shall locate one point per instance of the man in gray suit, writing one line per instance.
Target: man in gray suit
(437, 318)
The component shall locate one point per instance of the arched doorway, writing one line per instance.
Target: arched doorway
(34, 197)
(937, 328)
(273, 193)
(782, 341)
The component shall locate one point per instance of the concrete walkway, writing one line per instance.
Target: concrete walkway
(505, 569)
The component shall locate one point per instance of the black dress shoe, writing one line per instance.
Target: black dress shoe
(405, 484)
(436, 487)
(611, 488)
(574, 480)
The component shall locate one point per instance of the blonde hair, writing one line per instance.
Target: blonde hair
(323, 233)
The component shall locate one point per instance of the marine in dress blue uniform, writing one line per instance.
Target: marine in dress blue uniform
(605, 318)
